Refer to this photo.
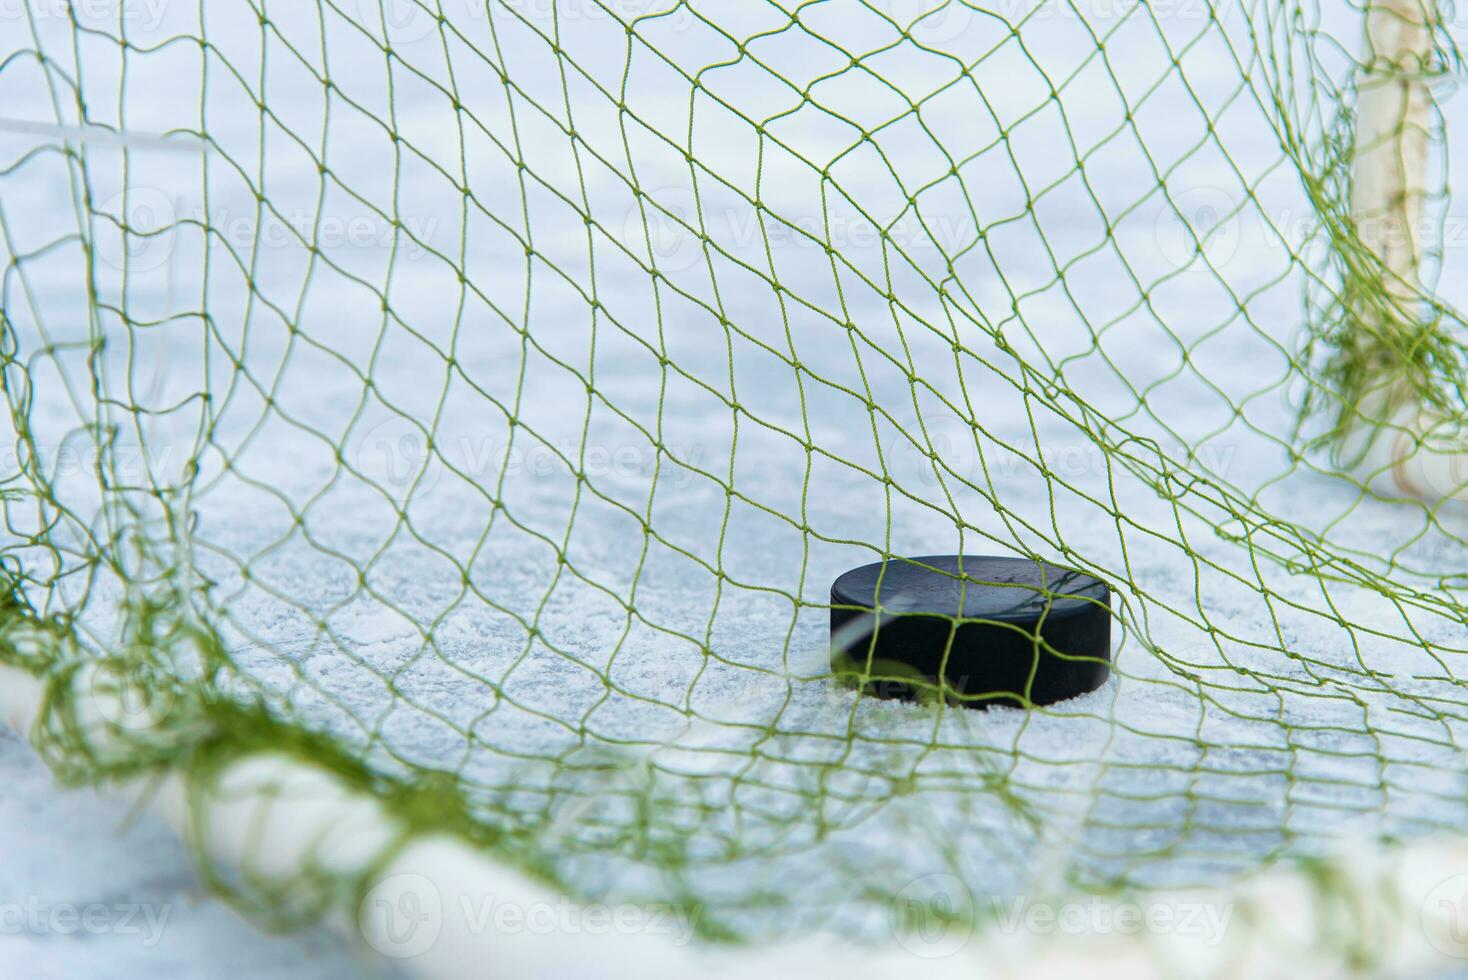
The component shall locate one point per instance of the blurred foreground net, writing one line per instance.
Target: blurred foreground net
(480, 400)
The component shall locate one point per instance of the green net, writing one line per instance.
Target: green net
(480, 399)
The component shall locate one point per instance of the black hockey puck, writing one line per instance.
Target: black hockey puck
(1008, 631)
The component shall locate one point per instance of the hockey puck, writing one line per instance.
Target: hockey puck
(986, 631)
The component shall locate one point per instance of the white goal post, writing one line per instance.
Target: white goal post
(1391, 913)
(1399, 444)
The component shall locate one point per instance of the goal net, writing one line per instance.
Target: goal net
(477, 400)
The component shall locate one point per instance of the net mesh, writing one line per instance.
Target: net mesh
(480, 399)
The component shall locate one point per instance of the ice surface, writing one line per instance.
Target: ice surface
(495, 607)
(66, 855)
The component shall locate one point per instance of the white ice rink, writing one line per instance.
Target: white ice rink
(359, 264)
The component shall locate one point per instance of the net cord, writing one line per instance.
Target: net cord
(273, 813)
(1357, 911)
(1401, 443)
